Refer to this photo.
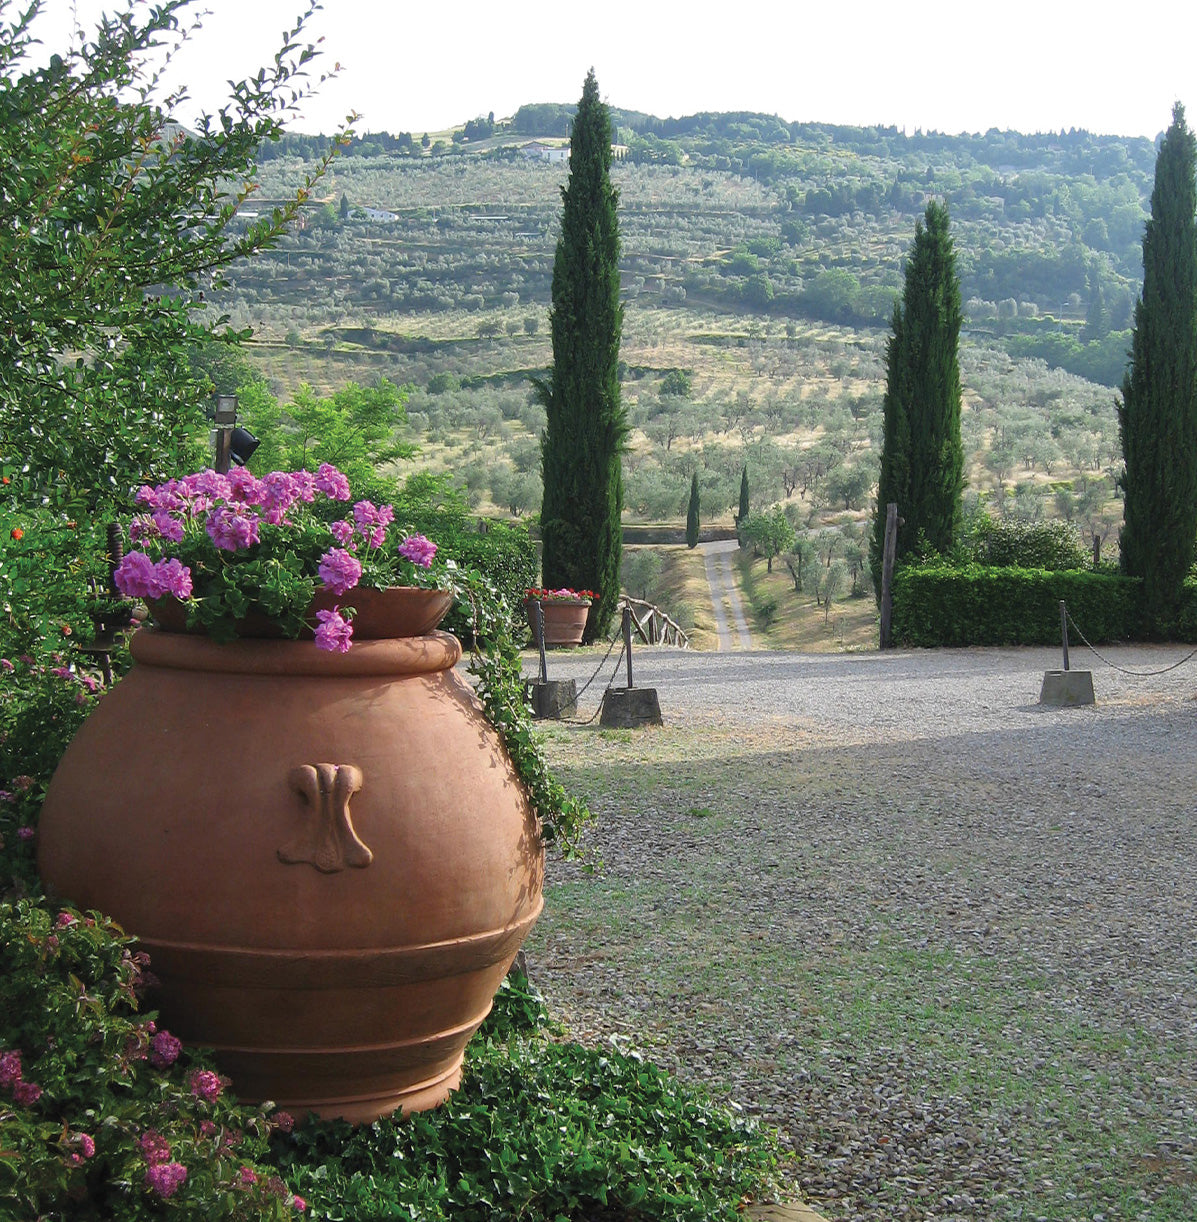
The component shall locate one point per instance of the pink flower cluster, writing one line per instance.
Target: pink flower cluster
(11, 1079)
(333, 632)
(137, 576)
(371, 522)
(86, 1148)
(419, 550)
(206, 1085)
(231, 530)
(231, 509)
(165, 1178)
(339, 570)
(154, 1147)
(164, 1049)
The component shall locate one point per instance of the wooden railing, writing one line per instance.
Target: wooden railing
(653, 626)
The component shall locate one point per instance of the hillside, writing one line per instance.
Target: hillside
(760, 264)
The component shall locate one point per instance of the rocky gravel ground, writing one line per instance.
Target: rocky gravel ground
(942, 937)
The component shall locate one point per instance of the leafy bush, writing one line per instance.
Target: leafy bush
(104, 1115)
(938, 604)
(538, 1130)
(1186, 621)
(1025, 545)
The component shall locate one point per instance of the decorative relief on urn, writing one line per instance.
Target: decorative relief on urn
(328, 840)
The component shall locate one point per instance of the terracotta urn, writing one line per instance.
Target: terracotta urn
(328, 857)
(564, 620)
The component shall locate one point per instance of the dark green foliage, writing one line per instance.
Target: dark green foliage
(938, 604)
(586, 427)
(1157, 415)
(1186, 620)
(742, 512)
(505, 554)
(518, 1009)
(1026, 545)
(692, 522)
(922, 458)
(539, 1131)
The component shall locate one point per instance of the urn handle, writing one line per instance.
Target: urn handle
(328, 840)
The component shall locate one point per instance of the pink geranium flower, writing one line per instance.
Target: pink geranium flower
(419, 550)
(332, 483)
(339, 570)
(334, 633)
(231, 531)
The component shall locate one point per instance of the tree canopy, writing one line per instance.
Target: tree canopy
(1157, 415)
(114, 222)
(586, 421)
(922, 458)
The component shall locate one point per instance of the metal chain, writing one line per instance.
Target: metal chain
(589, 720)
(1137, 674)
(602, 663)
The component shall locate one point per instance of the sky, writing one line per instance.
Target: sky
(948, 67)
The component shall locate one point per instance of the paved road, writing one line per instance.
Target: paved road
(725, 596)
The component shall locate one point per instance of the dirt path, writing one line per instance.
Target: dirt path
(725, 596)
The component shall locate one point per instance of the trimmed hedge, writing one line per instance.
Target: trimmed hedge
(1048, 545)
(937, 604)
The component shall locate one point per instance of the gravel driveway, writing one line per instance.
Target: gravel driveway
(941, 936)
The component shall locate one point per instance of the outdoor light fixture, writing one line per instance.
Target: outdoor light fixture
(226, 422)
(242, 444)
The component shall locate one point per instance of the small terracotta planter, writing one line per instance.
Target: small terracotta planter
(564, 621)
(328, 857)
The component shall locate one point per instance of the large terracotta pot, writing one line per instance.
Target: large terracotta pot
(564, 622)
(327, 856)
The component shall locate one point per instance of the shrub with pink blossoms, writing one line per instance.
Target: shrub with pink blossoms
(165, 1178)
(232, 546)
(206, 1085)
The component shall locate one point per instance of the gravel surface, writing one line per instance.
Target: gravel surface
(940, 936)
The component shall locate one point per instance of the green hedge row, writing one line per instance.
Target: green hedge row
(936, 604)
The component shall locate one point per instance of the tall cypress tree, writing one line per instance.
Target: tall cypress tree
(922, 457)
(1157, 417)
(742, 516)
(692, 523)
(586, 426)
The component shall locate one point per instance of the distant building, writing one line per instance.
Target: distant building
(377, 214)
(545, 152)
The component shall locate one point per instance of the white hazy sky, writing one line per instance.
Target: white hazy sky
(952, 67)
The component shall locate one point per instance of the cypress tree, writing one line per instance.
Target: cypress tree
(692, 513)
(586, 422)
(1157, 416)
(922, 457)
(742, 516)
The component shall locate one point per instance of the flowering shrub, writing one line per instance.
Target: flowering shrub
(559, 596)
(102, 1113)
(234, 545)
(42, 705)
